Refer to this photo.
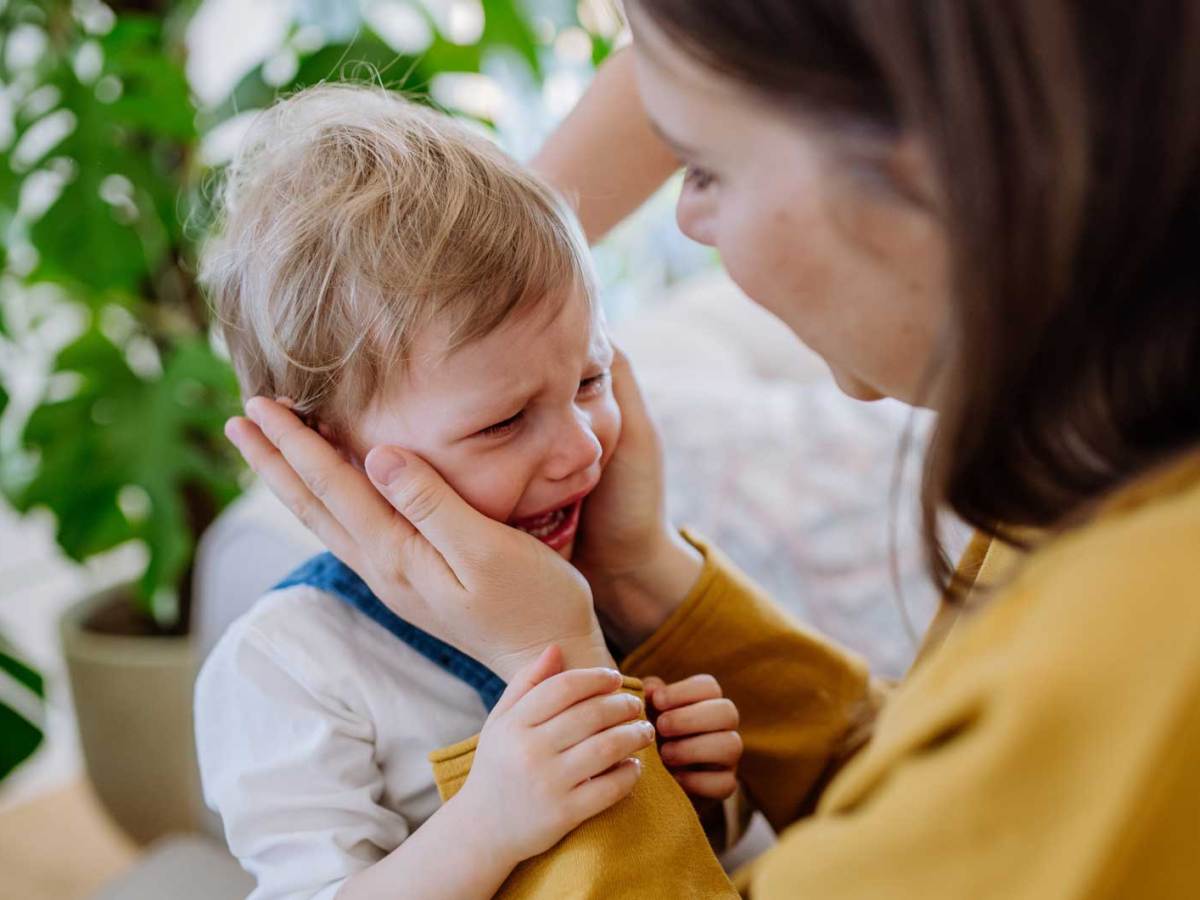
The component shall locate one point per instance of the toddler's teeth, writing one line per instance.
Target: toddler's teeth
(546, 525)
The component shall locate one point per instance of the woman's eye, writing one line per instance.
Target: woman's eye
(502, 428)
(698, 178)
(593, 385)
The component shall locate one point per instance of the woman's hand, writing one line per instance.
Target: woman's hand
(638, 565)
(490, 590)
(557, 749)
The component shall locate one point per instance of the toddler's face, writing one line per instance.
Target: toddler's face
(520, 423)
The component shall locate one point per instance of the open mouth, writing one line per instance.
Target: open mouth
(556, 528)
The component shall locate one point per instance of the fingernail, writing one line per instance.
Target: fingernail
(384, 465)
(647, 729)
(231, 432)
(250, 407)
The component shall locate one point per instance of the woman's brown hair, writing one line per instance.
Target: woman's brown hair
(1066, 141)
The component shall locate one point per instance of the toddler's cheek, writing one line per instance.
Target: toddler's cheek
(489, 493)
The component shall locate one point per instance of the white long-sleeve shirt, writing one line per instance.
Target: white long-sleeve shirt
(313, 726)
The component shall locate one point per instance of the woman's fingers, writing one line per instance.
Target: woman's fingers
(720, 748)
(713, 785)
(682, 693)
(554, 695)
(377, 526)
(460, 533)
(590, 717)
(265, 459)
(339, 504)
(628, 394)
(707, 715)
(341, 489)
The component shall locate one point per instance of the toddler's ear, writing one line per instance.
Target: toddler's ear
(345, 451)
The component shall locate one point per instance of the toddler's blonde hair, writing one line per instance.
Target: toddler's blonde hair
(349, 220)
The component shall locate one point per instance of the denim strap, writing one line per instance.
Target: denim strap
(330, 574)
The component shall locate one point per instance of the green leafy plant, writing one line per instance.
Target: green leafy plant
(22, 707)
(102, 205)
(125, 444)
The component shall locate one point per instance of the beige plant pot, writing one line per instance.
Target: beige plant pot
(133, 703)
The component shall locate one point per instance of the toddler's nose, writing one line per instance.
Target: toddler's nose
(575, 449)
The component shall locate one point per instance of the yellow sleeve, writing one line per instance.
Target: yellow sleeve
(799, 696)
(649, 845)
(1050, 747)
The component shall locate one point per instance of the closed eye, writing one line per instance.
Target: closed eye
(502, 428)
(594, 385)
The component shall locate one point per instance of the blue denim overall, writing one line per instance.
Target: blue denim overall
(330, 574)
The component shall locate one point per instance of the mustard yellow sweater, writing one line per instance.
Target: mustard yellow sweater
(1046, 744)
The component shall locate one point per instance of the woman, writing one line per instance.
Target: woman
(987, 208)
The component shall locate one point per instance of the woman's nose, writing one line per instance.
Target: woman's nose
(694, 215)
(575, 449)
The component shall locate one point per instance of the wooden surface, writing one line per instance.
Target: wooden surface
(60, 846)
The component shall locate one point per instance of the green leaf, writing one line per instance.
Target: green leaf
(3, 393)
(602, 48)
(20, 671)
(154, 97)
(160, 436)
(83, 240)
(367, 57)
(22, 710)
(80, 239)
(505, 25)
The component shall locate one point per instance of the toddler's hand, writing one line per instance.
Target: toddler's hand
(556, 750)
(697, 728)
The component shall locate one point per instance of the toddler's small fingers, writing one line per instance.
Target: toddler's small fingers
(550, 663)
(690, 690)
(713, 785)
(722, 748)
(589, 717)
(652, 685)
(562, 691)
(699, 718)
(599, 793)
(600, 752)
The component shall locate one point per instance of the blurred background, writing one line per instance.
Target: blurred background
(130, 533)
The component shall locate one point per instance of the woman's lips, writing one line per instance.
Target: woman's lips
(556, 528)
